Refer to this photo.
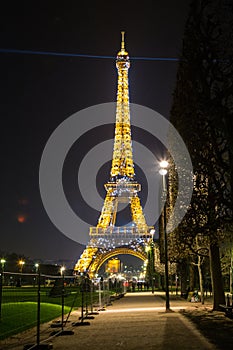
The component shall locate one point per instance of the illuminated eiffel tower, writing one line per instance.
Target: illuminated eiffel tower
(122, 187)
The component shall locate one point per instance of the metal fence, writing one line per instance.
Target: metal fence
(44, 304)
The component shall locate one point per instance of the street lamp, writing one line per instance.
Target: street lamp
(153, 260)
(147, 267)
(19, 281)
(3, 261)
(21, 263)
(163, 171)
(37, 273)
(1, 284)
(62, 270)
(36, 266)
(150, 264)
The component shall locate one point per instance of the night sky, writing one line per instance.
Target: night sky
(38, 92)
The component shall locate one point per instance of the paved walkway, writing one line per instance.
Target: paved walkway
(137, 321)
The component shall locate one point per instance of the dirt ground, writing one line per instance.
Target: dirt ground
(214, 325)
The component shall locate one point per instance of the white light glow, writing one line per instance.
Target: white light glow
(163, 171)
(163, 164)
(62, 269)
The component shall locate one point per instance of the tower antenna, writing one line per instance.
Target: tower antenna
(123, 41)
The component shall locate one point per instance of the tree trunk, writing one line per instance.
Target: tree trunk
(183, 278)
(216, 276)
(191, 277)
(200, 279)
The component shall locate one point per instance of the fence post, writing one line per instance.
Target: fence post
(61, 324)
(38, 345)
(101, 307)
(91, 291)
(88, 297)
(82, 323)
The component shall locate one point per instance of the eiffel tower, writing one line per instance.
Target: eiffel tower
(106, 237)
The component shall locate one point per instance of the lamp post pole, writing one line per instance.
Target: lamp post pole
(1, 284)
(21, 264)
(152, 266)
(62, 270)
(152, 260)
(163, 172)
(38, 305)
(3, 261)
(37, 273)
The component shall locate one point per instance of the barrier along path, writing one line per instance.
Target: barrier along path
(129, 321)
(35, 308)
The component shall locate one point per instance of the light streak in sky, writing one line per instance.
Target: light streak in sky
(50, 53)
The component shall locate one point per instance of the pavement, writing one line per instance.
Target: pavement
(136, 321)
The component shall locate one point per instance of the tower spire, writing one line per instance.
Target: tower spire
(122, 41)
(122, 160)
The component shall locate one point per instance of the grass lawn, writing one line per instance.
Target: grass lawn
(17, 317)
(19, 307)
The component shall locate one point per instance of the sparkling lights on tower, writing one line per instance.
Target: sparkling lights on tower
(122, 186)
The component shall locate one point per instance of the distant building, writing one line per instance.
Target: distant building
(113, 266)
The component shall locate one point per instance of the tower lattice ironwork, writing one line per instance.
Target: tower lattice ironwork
(122, 187)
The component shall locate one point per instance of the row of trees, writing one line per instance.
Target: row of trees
(12, 264)
(202, 112)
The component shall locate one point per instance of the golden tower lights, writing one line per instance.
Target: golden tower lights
(122, 186)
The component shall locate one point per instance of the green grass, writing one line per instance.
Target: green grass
(13, 295)
(17, 317)
(19, 307)
(30, 294)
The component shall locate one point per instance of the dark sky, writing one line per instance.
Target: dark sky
(38, 92)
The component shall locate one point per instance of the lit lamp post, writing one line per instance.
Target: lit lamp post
(36, 267)
(150, 259)
(153, 260)
(62, 271)
(3, 261)
(21, 263)
(37, 270)
(148, 267)
(163, 172)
